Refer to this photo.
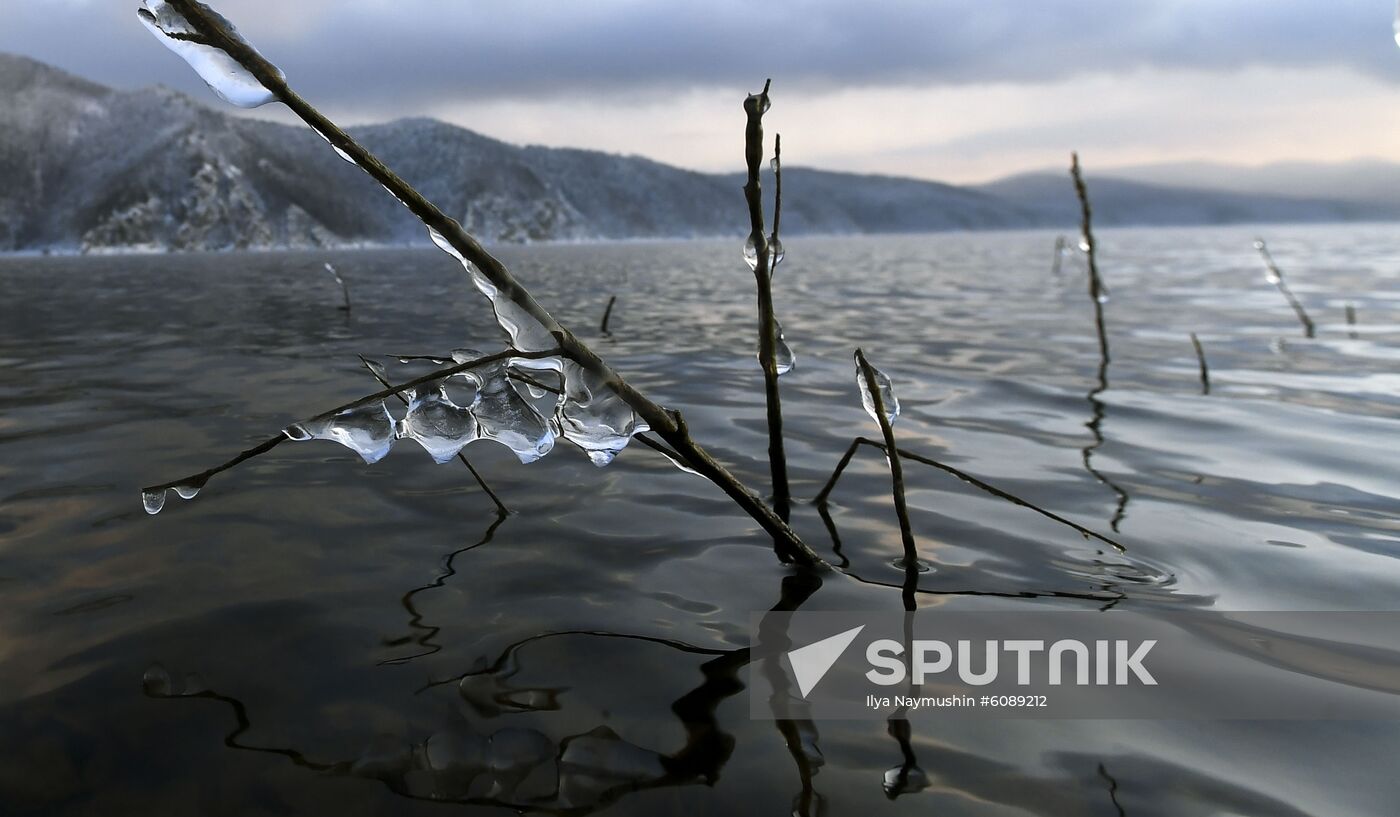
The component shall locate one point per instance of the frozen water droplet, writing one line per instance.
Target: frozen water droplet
(222, 73)
(376, 367)
(751, 253)
(1084, 245)
(460, 356)
(774, 164)
(1102, 297)
(526, 333)
(678, 462)
(882, 382)
(156, 681)
(1395, 26)
(775, 252)
(442, 427)
(1259, 244)
(1271, 276)
(368, 430)
(593, 416)
(189, 490)
(506, 417)
(153, 501)
(783, 358)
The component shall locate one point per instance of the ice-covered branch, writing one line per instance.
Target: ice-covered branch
(762, 255)
(612, 411)
(1274, 275)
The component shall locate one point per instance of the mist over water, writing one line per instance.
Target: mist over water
(312, 634)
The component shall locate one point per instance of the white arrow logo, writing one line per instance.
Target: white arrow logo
(811, 663)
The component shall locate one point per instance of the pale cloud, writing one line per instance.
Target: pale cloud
(952, 89)
(978, 132)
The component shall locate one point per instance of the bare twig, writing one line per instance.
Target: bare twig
(1201, 358)
(1059, 256)
(822, 497)
(911, 549)
(667, 424)
(1351, 321)
(1097, 292)
(500, 506)
(607, 313)
(1275, 276)
(344, 288)
(755, 106)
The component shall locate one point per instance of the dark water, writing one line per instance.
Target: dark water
(331, 611)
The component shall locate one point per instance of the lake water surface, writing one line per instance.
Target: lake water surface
(351, 632)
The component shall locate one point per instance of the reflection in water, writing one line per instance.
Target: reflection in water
(522, 768)
(1112, 790)
(426, 632)
(1095, 425)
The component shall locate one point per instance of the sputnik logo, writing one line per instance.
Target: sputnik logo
(812, 662)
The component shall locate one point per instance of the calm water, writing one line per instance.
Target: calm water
(338, 618)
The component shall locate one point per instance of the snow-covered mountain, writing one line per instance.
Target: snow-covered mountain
(85, 167)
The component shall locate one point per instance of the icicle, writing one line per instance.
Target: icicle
(222, 73)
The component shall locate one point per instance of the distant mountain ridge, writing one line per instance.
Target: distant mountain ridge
(89, 168)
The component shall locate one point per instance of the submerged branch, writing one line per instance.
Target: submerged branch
(344, 288)
(666, 424)
(822, 497)
(872, 386)
(762, 260)
(607, 313)
(1274, 275)
(1201, 358)
(1097, 293)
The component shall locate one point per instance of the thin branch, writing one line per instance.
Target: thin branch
(777, 187)
(1201, 358)
(1351, 321)
(1275, 276)
(198, 480)
(822, 497)
(607, 313)
(344, 288)
(755, 106)
(1059, 256)
(666, 424)
(500, 506)
(911, 549)
(1097, 291)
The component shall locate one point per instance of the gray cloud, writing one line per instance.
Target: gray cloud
(376, 55)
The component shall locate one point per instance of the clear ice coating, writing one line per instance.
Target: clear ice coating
(153, 501)
(751, 253)
(591, 414)
(503, 415)
(221, 72)
(775, 252)
(438, 424)
(368, 430)
(1396, 25)
(886, 394)
(783, 358)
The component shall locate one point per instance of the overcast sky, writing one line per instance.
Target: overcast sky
(958, 90)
